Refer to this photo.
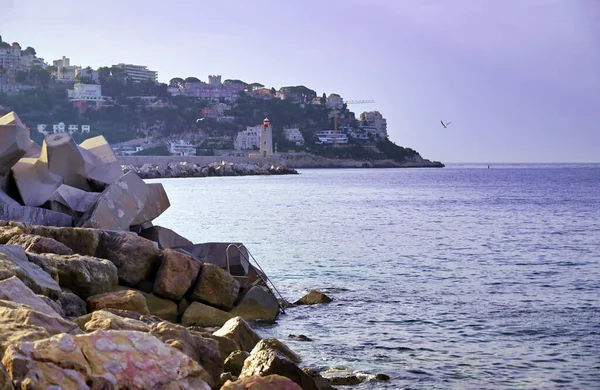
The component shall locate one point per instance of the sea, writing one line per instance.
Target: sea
(465, 277)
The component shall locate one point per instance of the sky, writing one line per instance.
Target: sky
(518, 79)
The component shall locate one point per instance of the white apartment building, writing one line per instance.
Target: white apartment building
(10, 56)
(375, 120)
(126, 150)
(294, 135)
(87, 92)
(181, 148)
(329, 136)
(139, 73)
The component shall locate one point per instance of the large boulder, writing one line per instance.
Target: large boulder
(72, 304)
(278, 346)
(257, 303)
(166, 238)
(268, 362)
(83, 275)
(203, 350)
(235, 362)
(102, 359)
(14, 262)
(238, 330)
(269, 382)
(20, 322)
(12, 289)
(118, 205)
(109, 320)
(123, 299)
(81, 241)
(55, 305)
(176, 274)
(7, 232)
(314, 297)
(203, 315)
(162, 308)
(216, 287)
(39, 244)
(5, 380)
(135, 257)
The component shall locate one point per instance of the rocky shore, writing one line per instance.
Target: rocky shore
(223, 168)
(94, 296)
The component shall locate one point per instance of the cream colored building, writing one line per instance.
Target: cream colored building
(248, 139)
(376, 120)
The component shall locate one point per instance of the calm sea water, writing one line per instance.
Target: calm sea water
(454, 278)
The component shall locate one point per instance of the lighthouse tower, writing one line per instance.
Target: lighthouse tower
(266, 139)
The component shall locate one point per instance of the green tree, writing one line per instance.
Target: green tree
(256, 86)
(324, 98)
(233, 81)
(21, 76)
(192, 80)
(29, 50)
(176, 82)
(3, 45)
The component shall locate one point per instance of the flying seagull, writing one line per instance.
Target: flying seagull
(445, 124)
(199, 120)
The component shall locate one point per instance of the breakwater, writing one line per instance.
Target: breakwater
(223, 168)
(289, 160)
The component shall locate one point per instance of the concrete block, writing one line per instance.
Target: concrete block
(118, 205)
(6, 199)
(65, 159)
(166, 238)
(34, 181)
(70, 198)
(14, 141)
(101, 163)
(34, 215)
(34, 150)
(155, 205)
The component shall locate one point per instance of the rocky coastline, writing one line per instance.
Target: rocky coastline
(93, 295)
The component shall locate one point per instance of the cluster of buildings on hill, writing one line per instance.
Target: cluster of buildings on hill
(87, 93)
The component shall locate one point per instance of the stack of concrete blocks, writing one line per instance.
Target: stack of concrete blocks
(65, 184)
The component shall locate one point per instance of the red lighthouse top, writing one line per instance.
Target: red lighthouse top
(266, 123)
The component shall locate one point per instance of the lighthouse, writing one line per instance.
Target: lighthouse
(266, 139)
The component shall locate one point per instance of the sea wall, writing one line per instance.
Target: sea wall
(290, 160)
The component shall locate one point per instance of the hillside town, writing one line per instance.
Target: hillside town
(215, 117)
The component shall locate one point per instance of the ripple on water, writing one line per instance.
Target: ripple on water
(443, 279)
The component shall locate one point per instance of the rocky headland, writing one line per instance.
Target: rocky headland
(94, 296)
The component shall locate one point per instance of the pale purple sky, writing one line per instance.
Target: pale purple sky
(518, 79)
